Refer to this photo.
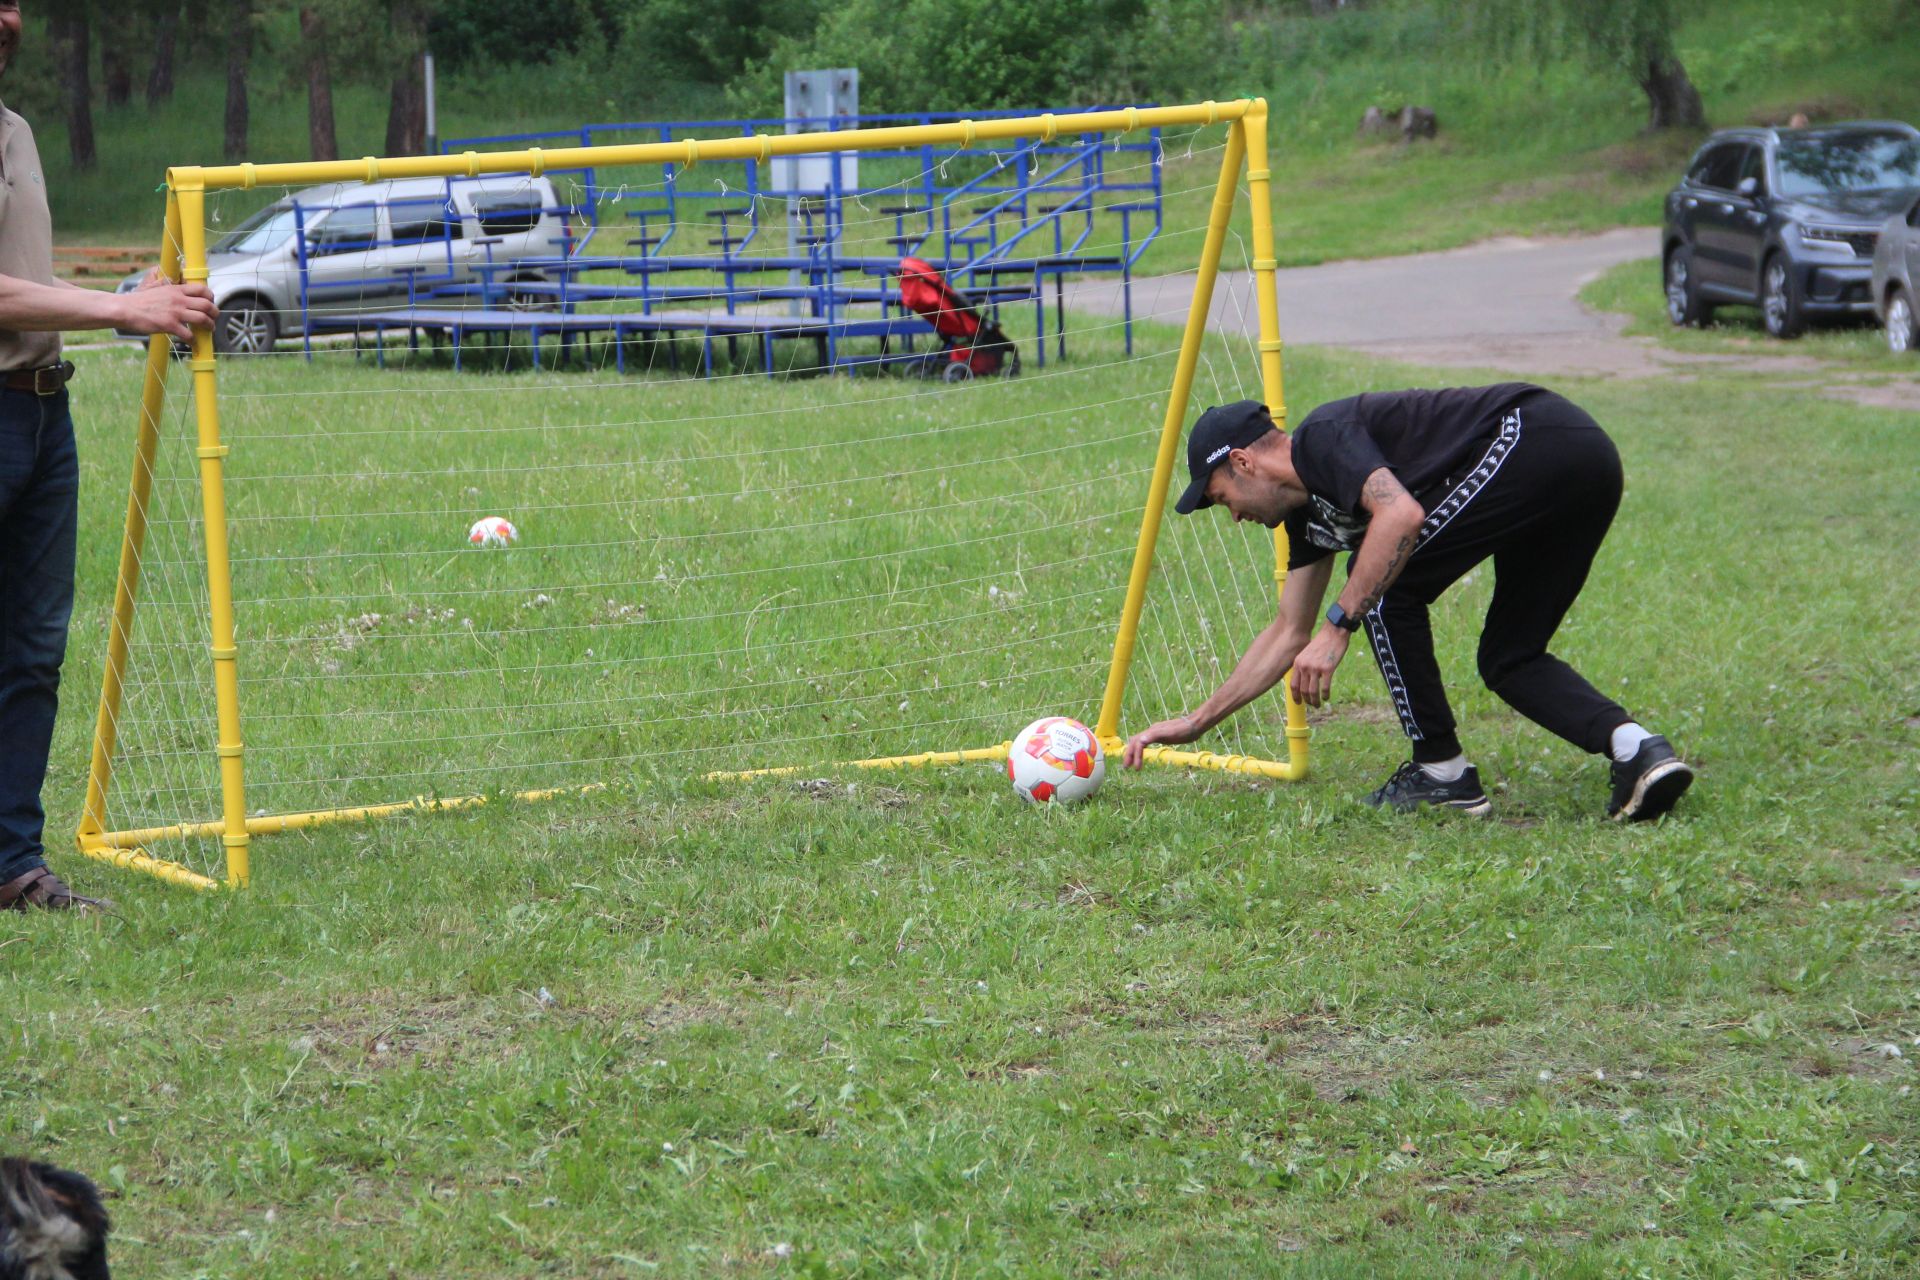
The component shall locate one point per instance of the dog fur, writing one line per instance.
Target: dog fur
(52, 1225)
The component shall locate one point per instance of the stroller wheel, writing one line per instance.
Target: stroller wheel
(958, 371)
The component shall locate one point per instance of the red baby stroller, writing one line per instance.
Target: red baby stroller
(971, 345)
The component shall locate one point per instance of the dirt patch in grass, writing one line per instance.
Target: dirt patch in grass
(834, 789)
(1008, 1072)
(1863, 1058)
(1340, 1063)
(382, 1030)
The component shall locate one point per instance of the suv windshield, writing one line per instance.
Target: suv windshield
(264, 232)
(1823, 163)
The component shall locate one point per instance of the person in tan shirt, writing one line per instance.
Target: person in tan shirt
(39, 481)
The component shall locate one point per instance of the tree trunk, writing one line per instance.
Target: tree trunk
(1673, 102)
(115, 67)
(160, 78)
(239, 54)
(313, 34)
(407, 104)
(70, 34)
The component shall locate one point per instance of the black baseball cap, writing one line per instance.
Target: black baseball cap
(1219, 431)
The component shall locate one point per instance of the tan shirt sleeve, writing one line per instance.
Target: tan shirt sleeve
(26, 236)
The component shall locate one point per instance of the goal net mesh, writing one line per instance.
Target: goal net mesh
(724, 573)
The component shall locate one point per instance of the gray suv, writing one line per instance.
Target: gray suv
(1785, 220)
(355, 246)
(1896, 280)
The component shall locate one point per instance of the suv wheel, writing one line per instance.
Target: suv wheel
(1780, 300)
(1902, 334)
(1684, 304)
(246, 327)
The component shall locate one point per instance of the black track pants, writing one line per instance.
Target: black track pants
(1539, 504)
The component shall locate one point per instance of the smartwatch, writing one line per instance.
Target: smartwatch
(1342, 619)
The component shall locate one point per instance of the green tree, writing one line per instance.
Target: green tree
(71, 29)
(241, 17)
(321, 143)
(1635, 36)
(407, 99)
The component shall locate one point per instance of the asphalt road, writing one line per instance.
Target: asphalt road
(1508, 304)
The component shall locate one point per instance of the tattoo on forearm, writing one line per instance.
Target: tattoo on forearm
(1395, 559)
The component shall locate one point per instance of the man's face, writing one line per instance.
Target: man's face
(9, 32)
(1246, 494)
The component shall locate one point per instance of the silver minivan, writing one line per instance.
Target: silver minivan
(361, 246)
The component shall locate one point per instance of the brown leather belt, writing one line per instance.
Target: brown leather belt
(45, 381)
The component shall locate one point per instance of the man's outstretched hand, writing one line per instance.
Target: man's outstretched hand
(1180, 729)
(160, 306)
(1313, 668)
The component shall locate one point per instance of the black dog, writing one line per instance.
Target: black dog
(52, 1226)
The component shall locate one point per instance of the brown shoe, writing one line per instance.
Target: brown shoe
(47, 891)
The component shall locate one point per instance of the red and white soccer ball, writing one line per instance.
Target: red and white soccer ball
(1056, 760)
(493, 531)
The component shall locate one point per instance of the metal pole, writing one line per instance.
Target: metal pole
(966, 133)
(213, 503)
(93, 817)
(1109, 725)
(433, 125)
(1266, 297)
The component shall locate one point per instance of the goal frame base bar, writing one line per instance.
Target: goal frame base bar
(1293, 770)
(128, 849)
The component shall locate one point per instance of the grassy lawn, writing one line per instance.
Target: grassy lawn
(1633, 289)
(905, 1025)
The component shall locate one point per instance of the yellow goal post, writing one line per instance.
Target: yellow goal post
(184, 258)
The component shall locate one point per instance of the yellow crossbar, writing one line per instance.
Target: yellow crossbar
(762, 147)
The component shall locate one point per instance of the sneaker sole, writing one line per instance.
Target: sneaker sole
(1656, 791)
(1479, 808)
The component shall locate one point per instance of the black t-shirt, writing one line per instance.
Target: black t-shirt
(1420, 436)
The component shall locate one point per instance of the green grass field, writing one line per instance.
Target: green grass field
(905, 1025)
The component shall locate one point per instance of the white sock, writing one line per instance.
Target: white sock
(1446, 770)
(1626, 741)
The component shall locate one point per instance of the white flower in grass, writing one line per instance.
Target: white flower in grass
(782, 1249)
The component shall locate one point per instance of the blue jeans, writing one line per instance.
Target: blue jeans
(39, 515)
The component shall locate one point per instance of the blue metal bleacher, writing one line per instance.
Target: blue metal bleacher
(999, 221)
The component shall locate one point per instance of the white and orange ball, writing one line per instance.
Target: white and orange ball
(493, 531)
(1056, 760)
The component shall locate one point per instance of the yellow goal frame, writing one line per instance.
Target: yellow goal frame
(183, 257)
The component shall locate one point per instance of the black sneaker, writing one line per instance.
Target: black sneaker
(1410, 787)
(1646, 788)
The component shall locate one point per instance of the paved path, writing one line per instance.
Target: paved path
(1510, 305)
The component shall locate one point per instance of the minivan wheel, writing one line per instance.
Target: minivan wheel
(1684, 305)
(1780, 300)
(520, 299)
(1901, 334)
(247, 328)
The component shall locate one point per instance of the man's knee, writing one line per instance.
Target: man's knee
(1497, 663)
(37, 647)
